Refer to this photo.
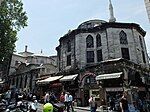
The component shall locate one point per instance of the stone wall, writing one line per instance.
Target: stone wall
(111, 47)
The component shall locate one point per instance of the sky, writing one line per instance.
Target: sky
(48, 20)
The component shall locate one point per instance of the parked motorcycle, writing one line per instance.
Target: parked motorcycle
(33, 106)
(21, 106)
(3, 105)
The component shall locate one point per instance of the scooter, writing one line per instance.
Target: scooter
(3, 105)
(33, 106)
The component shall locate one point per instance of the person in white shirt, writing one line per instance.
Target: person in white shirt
(8, 96)
(66, 101)
(70, 98)
(46, 98)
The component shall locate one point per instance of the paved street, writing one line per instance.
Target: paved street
(40, 107)
(77, 110)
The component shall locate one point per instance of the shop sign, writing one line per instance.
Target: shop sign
(114, 89)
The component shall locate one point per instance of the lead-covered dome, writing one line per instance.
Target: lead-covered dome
(91, 24)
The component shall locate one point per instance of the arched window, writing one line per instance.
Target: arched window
(98, 40)
(89, 41)
(123, 37)
(141, 43)
(68, 46)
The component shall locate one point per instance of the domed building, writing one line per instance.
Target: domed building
(103, 58)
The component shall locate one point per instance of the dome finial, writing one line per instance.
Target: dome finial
(112, 18)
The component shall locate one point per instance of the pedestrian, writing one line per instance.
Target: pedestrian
(52, 98)
(46, 98)
(112, 104)
(16, 97)
(124, 103)
(24, 95)
(140, 105)
(66, 101)
(62, 97)
(93, 105)
(8, 96)
(70, 98)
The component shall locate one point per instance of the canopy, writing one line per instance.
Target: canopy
(69, 77)
(1, 82)
(108, 76)
(50, 79)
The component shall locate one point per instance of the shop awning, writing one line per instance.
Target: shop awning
(1, 82)
(49, 79)
(108, 76)
(69, 78)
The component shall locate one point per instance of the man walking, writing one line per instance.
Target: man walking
(93, 105)
(124, 103)
(70, 98)
(66, 101)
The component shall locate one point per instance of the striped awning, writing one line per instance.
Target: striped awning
(49, 79)
(69, 78)
(108, 76)
(1, 81)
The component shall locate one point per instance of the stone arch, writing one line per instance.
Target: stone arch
(83, 78)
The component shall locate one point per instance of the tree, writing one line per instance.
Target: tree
(12, 19)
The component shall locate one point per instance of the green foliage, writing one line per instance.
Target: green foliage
(12, 14)
(12, 19)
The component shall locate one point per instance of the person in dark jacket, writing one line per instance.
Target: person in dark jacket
(124, 103)
(93, 105)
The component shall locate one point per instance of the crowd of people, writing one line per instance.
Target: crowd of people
(122, 104)
(65, 98)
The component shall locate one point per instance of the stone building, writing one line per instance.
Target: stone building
(104, 51)
(147, 4)
(26, 68)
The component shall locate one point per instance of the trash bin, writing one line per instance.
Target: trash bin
(58, 107)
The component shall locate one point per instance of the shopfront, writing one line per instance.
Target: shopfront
(70, 84)
(110, 86)
(50, 84)
(88, 87)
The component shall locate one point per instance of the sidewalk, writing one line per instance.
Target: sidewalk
(88, 109)
(78, 108)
